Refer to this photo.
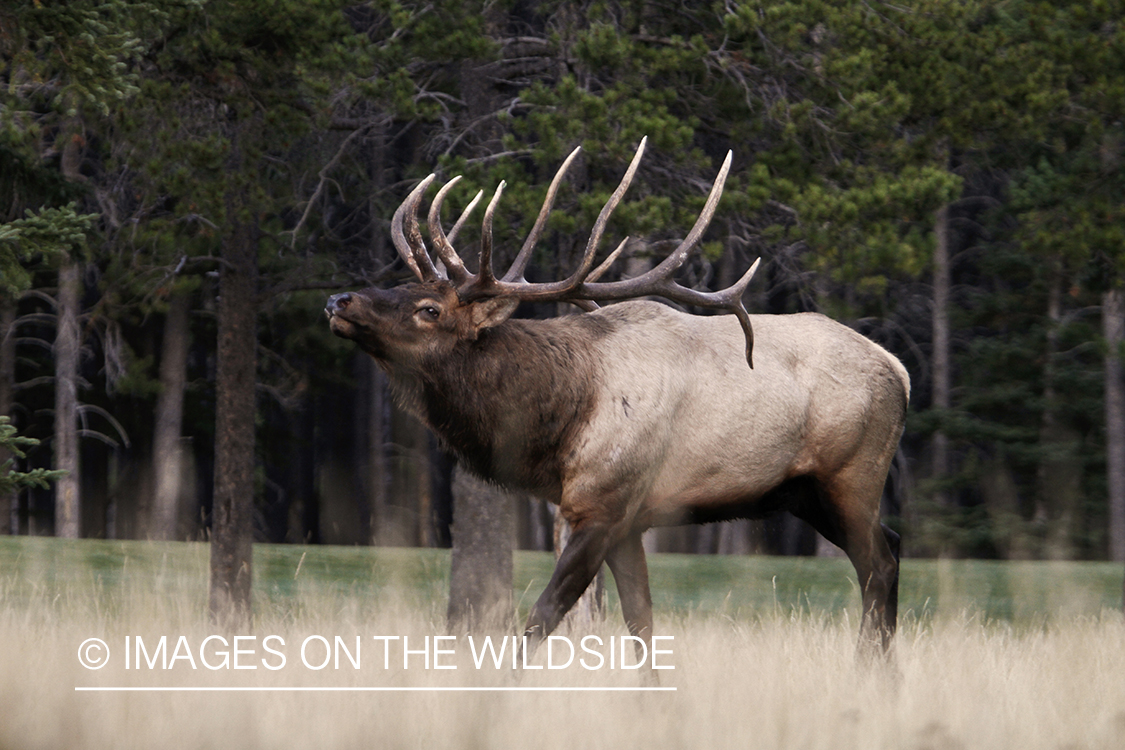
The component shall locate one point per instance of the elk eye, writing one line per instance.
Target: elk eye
(430, 313)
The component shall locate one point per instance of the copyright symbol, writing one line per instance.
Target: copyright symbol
(93, 653)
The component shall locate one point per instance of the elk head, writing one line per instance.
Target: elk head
(447, 306)
(410, 323)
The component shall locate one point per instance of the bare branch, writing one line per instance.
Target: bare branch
(324, 181)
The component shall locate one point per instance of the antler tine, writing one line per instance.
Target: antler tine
(442, 245)
(603, 218)
(659, 280)
(597, 272)
(482, 285)
(582, 287)
(409, 242)
(485, 277)
(464, 216)
(730, 299)
(588, 305)
(417, 244)
(677, 257)
(519, 265)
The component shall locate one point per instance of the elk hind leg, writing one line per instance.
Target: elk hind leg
(846, 513)
(894, 543)
(876, 566)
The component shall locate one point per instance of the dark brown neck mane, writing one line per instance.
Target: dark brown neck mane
(509, 403)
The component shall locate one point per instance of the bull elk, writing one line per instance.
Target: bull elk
(637, 415)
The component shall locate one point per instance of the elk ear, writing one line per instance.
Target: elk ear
(492, 312)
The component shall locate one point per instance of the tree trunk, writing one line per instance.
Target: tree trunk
(7, 396)
(233, 506)
(940, 358)
(1000, 497)
(480, 581)
(370, 446)
(375, 419)
(405, 501)
(480, 586)
(735, 537)
(442, 464)
(1059, 474)
(65, 440)
(167, 455)
(1113, 322)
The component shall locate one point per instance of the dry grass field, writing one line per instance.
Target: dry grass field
(776, 676)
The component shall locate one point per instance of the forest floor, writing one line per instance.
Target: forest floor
(348, 648)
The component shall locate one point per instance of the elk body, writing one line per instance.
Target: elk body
(637, 415)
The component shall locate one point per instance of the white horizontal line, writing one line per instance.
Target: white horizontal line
(373, 689)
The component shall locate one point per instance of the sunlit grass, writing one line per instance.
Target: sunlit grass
(988, 656)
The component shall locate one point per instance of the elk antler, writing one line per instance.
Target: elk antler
(582, 287)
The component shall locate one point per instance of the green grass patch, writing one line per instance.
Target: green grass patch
(1021, 593)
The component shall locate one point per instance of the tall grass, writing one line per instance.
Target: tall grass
(781, 674)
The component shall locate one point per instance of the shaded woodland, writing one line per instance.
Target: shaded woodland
(182, 184)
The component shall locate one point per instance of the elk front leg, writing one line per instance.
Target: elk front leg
(576, 568)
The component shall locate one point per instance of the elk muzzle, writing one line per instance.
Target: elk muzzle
(337, 303)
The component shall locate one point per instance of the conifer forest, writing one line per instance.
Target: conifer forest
(183, 184)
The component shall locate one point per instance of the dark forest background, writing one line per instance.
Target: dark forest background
(183, 183)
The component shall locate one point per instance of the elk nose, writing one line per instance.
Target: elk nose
(337, 302)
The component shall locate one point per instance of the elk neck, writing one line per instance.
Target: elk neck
(511, 403)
